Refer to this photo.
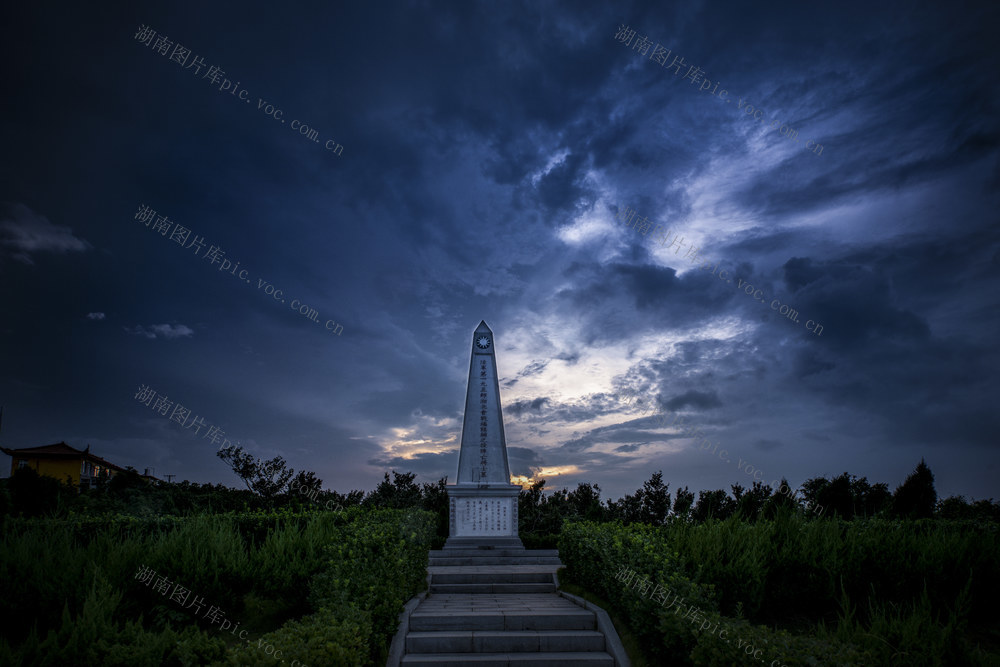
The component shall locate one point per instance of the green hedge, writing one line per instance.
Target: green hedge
(369, 573)
(917, 614)
(69, 598)
(254, 526)
(791, 567)
(594, 553)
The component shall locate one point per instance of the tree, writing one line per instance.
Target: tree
(540, 517)
(401, 493)
(655, 500)
(750, 504)
(265, 478)
(435, 499)
(305, 480)
(987, 510)
(683, 503)
(783, 498)
(812, 489)
(628, 509)
(876, 499)
(954, 507)
(585, 502)
(837, 496)
(712, 504)
(127, 479)
(916, 497)
(529, 504)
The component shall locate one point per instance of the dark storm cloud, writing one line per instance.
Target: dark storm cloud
(632, 432)
(487, 150)
(518, 408)
(766, 444)
(424, 463)
(534, 368)
(524, 461)
(696, 399)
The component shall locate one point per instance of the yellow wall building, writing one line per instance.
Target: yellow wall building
(65, 463)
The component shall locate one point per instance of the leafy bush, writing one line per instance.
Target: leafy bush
(323, 638)
(92, 636)
(894, 592)
(593, 553)
(746, 643)
(376, 565)
(68, 587)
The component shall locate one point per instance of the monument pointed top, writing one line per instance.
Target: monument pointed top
(483, 502)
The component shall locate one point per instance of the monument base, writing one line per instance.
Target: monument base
(483, 516)
(495, 543)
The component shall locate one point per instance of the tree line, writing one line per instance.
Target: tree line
(272, 484)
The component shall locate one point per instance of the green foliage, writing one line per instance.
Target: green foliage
(305, 480)
(435, 500)
(401, 492)
(750, 503)
(846, 496)
(379, 563)
(323, 638)
(893, 592)
(292, 554)
(540, 517)
(206, 554)
(593, 554)
(956, 507)
(129, 494)
(713, 505)
(69, 595)
(92, 636)
(650, 504)
(655, 500)
(683, 503)
(265, 478)
(745, 643)
(585, 502)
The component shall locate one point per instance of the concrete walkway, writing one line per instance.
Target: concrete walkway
(500, 607)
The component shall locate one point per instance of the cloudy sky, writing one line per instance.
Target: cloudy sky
(489, 161)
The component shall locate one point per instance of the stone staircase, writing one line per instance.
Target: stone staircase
(497, 605)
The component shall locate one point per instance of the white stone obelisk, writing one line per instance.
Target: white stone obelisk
(483, 502)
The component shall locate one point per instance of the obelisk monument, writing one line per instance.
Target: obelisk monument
(483, 503)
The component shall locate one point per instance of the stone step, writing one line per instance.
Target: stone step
(495, 577)
(447, 561)
(458, 619)
(556, 659)
(493, 602)
(502, 601)
(487, 588)
(483, 543)
(459, 552)
(504, 642)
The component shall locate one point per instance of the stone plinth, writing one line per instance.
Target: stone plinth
(489, 512)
